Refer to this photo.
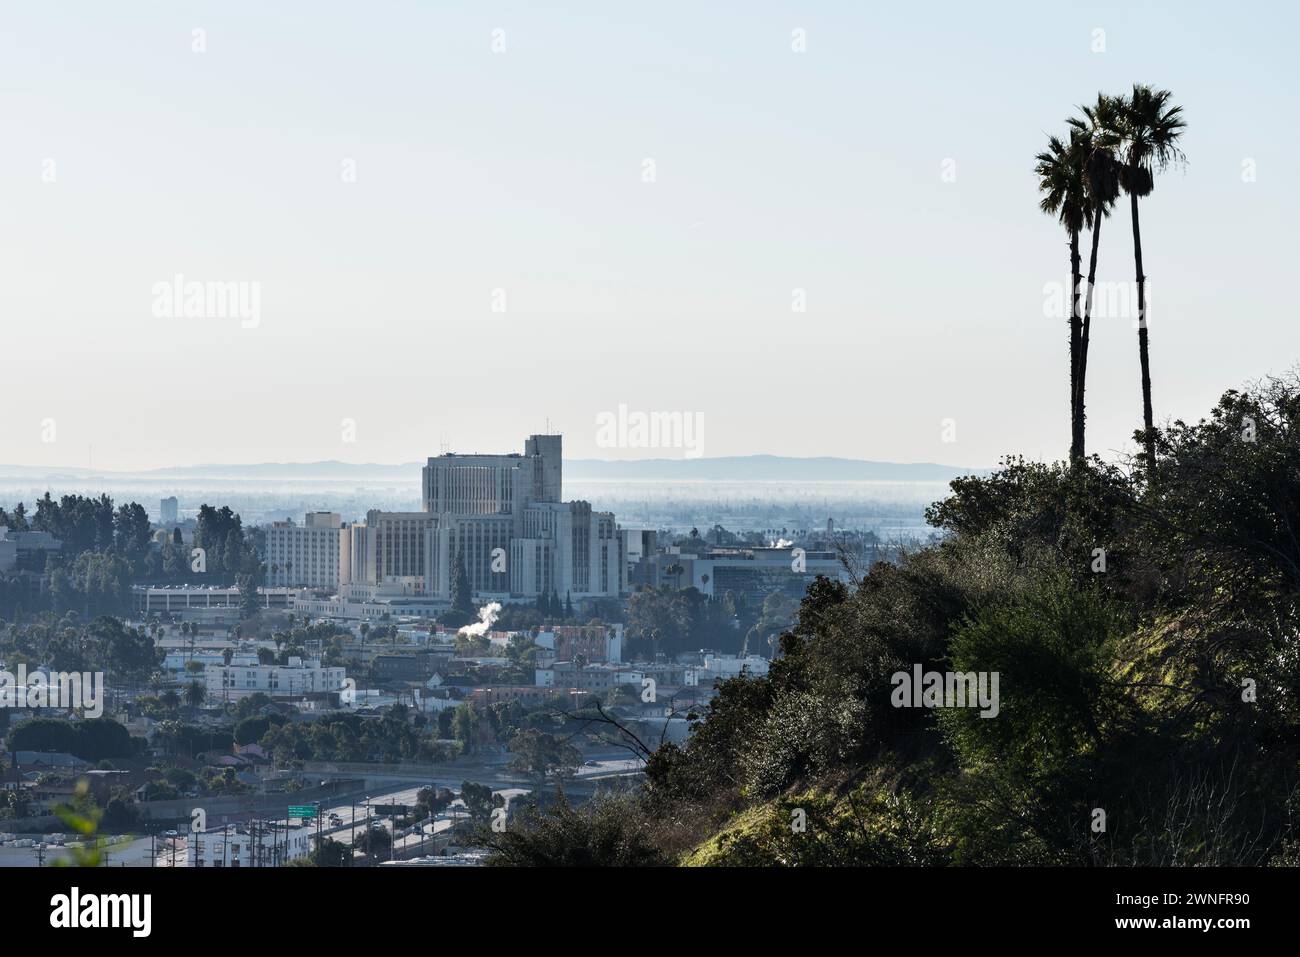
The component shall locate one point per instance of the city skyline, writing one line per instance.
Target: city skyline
(623, 438)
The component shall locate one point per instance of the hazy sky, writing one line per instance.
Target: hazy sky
(129, 157)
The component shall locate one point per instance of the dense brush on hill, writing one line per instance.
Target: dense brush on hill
(1159, 696)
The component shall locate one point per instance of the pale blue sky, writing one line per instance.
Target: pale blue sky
(522, 170)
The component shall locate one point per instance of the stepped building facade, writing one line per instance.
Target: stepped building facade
(503, 517)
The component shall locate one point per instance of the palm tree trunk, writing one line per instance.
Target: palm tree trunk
(1081, 385)
(1149, 435)
(1076, 278)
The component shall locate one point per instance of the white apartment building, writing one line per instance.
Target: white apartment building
(175, 663)
(599, 677)
(298, 677)
(313, 555)
(246, 845)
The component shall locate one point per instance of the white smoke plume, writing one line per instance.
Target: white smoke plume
(782, 543)
(487, 616)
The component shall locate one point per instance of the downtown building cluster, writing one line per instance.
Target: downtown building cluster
(501, 517)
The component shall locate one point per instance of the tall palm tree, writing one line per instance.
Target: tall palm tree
(195, 694)
(1062, 176)
(1100, 126)
(1151, 128)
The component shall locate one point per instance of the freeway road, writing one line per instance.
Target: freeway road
(136, 852)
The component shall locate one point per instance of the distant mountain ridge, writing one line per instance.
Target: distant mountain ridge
(761, 468)
(751, 468)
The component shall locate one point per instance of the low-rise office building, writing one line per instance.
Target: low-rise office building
(753, 573)
(181, 600)
(25, 551)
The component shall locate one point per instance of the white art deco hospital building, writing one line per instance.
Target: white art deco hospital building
(503, 515)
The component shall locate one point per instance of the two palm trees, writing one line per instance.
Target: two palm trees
(1118, 144)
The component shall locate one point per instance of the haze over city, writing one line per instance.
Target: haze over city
(389, 187)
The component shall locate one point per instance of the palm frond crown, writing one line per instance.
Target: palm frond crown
(1062, 179)
(1101, 126)
(1151, 127)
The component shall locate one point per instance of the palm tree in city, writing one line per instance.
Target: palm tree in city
(1099, 125)
(1062, 179)
(195, 694)
(227, 655)
(1150, 126)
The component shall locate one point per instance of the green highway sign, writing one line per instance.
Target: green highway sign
(302, 810)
